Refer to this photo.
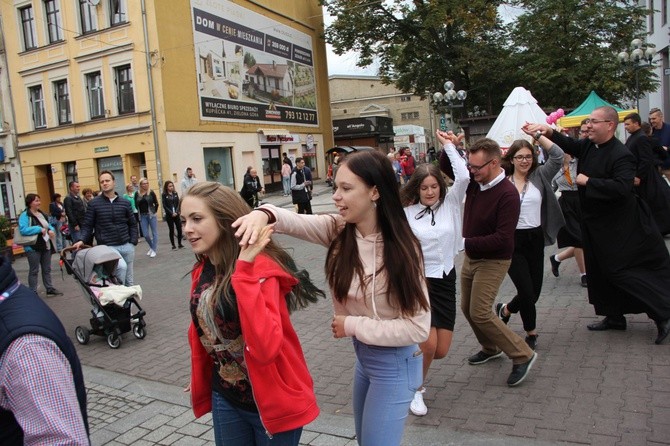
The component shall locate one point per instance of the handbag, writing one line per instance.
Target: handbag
(24, 240)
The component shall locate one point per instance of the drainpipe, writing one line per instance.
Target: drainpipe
(152, 103)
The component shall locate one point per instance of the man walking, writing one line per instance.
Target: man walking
(188, 180)
(649, 184)
(299, 188)
(626, 258)
(661, 131)
(42, 393)
(75, 209)
(489, 220)
(110, 219)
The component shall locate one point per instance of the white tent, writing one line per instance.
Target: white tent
(519, 108)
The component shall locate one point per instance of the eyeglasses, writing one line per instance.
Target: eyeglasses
(474, 168)
(597, 121)
(583, 131)
(523, 157)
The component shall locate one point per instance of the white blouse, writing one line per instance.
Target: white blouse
(531, 208)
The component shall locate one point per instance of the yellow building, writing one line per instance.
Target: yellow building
(143, 88)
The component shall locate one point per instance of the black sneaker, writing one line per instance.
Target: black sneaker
(554, 265)
(584, 281)
(520, 371)
(531, 340)
(174, 247)
(54, 292)
(482, 357)
(499, 312)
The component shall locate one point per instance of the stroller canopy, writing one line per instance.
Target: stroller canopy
(87, 259)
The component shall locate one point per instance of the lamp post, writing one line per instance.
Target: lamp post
(450, 99)
(641, 56)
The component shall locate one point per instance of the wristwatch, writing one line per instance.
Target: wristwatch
(537, 136)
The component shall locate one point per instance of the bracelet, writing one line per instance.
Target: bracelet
(270, 215)
(537, 136)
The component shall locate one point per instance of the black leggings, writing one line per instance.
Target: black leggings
(172, 222)
(526, 271)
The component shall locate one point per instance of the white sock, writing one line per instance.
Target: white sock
(556, 258)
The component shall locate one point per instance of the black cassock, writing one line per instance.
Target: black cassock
(652, 189)
(627, 263)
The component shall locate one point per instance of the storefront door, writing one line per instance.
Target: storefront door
(271, 167)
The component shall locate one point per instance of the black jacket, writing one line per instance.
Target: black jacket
(170, 203)
(112, 222)
(75, 209)
(146, 204)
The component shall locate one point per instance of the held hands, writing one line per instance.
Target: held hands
(249, 252)
(449, 136)
(532, 129)
(249, 227)
(338, 326)
(582, 179)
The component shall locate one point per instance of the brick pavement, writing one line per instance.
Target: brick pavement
(610, 388)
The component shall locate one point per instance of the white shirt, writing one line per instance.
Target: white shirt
(531, 208)
(441, 242)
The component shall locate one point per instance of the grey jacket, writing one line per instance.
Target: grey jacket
(551, 214)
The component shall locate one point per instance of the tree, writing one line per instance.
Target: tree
(566, 48)
(421, 44)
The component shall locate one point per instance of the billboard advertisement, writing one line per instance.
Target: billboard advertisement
(251, 68)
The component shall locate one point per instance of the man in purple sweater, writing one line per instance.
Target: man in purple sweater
(489, 220)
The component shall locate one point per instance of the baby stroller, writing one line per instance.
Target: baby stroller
(93, 268)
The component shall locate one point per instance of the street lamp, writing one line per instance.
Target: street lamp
(641, 56)
(450, 99)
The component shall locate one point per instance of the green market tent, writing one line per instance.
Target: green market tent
(593, 101)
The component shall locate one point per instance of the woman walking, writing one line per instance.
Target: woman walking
(374, 268)
(170, 201)
(248, 367)
(147, 204)
(539, 222)
(33, 221)
(286, 170)
(130, 196)
(435, 218)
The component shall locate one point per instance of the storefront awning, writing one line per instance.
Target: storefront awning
(274, 132)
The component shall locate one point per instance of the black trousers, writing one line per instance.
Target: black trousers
(526, 271)
(304, 208)
(173, 222)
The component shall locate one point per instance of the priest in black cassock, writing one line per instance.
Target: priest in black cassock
(626, 258)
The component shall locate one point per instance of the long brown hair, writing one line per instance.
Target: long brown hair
(411, 193)
(511, 152)
(403, 259)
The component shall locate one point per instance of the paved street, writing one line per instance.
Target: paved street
(606, 388)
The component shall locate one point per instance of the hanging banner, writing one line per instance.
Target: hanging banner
(251, 68)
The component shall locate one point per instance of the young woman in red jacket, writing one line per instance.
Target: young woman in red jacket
(248, 367)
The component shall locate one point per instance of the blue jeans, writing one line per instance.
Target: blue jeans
(385, 381)
(124, 270)
(237, 427)
(60, 239)
(150, 221)
(286, 184)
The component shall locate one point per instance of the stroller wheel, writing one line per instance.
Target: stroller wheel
(139, 331)
(82, 334)
(114, 340)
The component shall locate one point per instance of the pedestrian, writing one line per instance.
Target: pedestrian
(408, 164)
(110, 219)
(308, 178)
(287, 160)
(286, 177)
(374, 268)
(188, 180)
(299, 188)
(660, 130)
(170, 202)
(436, 220)
(75, 209)
(649, 185)
(42, 393)
(57, 218)
(392, 156)
(626, 259)
(130, 196)
(248, 366)
(33, 221)
(570, 235)
(490, 217)
(87, 195)
(251, 187)
(540, 219)
(147, 205)
(134, 183)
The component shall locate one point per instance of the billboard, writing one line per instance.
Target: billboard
(251, 68)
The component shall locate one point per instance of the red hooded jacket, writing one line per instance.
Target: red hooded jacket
(282, 386)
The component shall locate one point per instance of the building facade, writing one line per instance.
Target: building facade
(11, 187)
(138, 88)
(658, 32)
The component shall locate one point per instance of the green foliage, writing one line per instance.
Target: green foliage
(5, 231)
(249, 60)
(558, 49)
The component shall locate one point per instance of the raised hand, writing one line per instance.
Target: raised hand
(249, 252)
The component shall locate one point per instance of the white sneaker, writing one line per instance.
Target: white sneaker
(418, 407)
(149, 252)
(153, 253)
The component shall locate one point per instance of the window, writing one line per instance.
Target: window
(664, 12)
(37, 107)
(88, 16)
(28, 27)
(650, 29)
(71, 172)
(54, 25)
(405, 98)
(62, 96)
(118, 12)
(124, 89)
(409, 116)
(96, 102)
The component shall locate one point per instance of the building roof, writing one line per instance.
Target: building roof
(269, 70)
